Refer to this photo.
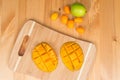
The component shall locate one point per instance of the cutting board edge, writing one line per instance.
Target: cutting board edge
(31, 21)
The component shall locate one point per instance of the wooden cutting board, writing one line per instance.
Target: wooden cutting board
(38, 33)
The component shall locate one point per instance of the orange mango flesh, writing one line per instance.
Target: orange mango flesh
(44, 57)
(72, 55)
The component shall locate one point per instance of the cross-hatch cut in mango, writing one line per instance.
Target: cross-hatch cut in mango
(44, 57)
(72, 55)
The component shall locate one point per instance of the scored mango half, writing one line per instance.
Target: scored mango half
(72, 55)
(44, 57)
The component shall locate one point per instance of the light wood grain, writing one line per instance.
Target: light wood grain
(104, 32)
(38, 33)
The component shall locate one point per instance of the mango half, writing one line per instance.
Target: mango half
(72, 55)
(44, 57)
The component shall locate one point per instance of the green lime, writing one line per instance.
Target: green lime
(78, 9)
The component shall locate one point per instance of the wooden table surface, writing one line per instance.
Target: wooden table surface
(104, 32)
